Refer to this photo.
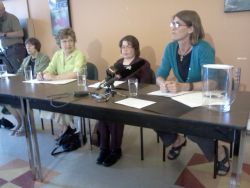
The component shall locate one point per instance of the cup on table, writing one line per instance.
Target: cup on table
(81, 79)
(28, 73)
(3, 71)
(133, 87)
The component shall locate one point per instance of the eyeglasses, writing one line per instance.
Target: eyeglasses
(126, 47)
(176, 25)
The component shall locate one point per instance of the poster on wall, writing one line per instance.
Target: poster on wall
(59, 14)
(236, 5)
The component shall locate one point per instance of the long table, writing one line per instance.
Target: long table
(230, 126)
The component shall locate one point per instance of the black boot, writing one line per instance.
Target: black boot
(102, 156)
(113, 157)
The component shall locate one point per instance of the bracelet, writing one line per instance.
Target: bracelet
(191, 86)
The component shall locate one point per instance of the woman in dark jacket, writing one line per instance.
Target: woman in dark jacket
(129, 66)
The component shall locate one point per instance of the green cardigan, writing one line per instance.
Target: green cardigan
(41, 62)
(202, 53)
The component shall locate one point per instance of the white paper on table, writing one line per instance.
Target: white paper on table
(167, 94)
(35, 81)
(135, 103)
(248, 124)
(96, 85)
(7, 75)
(192, 99)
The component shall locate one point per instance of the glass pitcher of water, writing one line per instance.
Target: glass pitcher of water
(220, 86)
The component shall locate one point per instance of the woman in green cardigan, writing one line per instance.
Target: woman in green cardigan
(38, 61)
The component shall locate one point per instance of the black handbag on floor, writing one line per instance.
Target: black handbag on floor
(68, 141)
(6, 123)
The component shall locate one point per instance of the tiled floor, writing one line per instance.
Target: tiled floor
(78, 169)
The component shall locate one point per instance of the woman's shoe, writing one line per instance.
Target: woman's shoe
(20, 131)
(174, 152)
(14, 130)
(222, 167)
(102, 156)
(113, 157)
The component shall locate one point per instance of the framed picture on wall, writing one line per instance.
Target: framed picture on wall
(236, 5)
(59, 14)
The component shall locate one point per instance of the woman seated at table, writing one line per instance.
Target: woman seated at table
(185, 56)
(129, 66)
(38, 62)
(65, 64)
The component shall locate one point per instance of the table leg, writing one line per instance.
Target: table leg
(28, 138)
(238, 161)
(36, 152)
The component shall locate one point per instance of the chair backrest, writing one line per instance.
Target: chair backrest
(153, 78)
(92, 71)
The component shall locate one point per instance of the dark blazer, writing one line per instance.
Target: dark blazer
(139, 68)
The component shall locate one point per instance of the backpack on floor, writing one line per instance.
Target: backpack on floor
(68, 141)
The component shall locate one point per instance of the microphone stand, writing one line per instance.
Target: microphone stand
(110, 89)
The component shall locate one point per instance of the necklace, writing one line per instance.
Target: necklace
(183, 54)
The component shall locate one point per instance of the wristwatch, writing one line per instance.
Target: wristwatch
(5, 35)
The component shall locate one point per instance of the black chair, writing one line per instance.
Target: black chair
(92, 71)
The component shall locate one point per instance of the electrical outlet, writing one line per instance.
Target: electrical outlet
(241, 59)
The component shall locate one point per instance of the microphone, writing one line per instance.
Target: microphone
(119, 71)
(110, 78)
(125, 71)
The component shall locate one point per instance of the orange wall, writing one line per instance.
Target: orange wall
(99, 25)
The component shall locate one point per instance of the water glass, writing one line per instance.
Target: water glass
(3, 71)
(82, 79)
(133, 87)
(28, 75)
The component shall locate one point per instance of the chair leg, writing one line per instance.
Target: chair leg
(52, 127)
(142, 146)
(42, 124)
(90, 134)
(163, 153)
(83, 130)
(215, 158)
(231, 149)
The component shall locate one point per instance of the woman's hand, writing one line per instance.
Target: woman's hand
(49, 77)
(174, 87)
(39, 76)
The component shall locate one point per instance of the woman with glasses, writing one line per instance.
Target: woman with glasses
(130, 65)
(185, 56)
(65, 64)
(38, 62)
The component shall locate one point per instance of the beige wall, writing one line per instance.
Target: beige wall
(18, 7)
(99, 25)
